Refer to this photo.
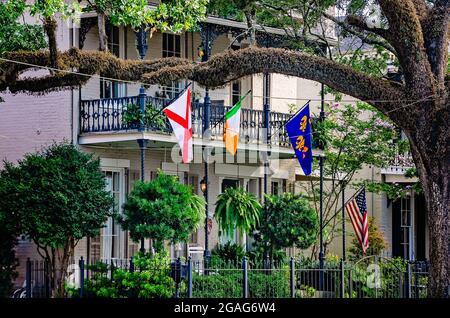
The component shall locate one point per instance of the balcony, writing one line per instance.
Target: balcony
(107, 117)
(399, 164)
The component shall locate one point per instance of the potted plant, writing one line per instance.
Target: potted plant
(152, 119)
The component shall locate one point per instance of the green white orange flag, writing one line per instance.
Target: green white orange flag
(232, 125)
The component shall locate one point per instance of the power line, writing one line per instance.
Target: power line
(219, 93)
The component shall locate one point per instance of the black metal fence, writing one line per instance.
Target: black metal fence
(370, 278)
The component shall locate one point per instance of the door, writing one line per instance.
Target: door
(402, 240)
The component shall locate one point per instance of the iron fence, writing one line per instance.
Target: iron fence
(110, 114)
(369, 278)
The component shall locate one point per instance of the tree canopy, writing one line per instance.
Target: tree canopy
(288, 220)
(162, 209)
(16, 36)
(56, 197)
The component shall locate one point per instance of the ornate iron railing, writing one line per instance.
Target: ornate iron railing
(107, 115)
(404, 160)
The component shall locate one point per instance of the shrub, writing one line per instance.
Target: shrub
(162, 209)
(56, 197)
(218, 284)
(270, 284)
(237, 209)
(287, 220)
(228, 283)
(229, 252)
(151, 279)
(8, 261)
(376, 242)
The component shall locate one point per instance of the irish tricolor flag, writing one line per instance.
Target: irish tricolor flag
(179, 114)
(232, 125)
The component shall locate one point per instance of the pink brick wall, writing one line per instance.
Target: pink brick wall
(29, 122)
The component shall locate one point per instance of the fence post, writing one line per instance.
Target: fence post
(81, 265)
(189, 275)
(350, 284)
(342, 269)
(408, 280)
(131, 269)
(245, 277)
(28, 278)
(46, 280)
(177, 277)
(292, 269)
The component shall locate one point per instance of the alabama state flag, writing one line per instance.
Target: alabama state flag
(179, 114)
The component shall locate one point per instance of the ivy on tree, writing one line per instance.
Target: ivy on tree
(57, 197)
(162, 209)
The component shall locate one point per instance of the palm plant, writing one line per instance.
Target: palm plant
(237, 209)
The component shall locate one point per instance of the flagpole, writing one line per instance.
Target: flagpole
(340, 210)
(343, 220)
(298, 111)
(321, 163)
(223, 117)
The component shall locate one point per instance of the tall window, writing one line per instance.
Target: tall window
(235, 92)
(275, 188)
(235, 86)
(171, 47)
(111, 89)
(111, 242)
(405, 227)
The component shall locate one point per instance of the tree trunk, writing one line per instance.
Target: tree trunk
(438, 202)
(50, 29)
(250, 27)
(430, 145)
(102, 37)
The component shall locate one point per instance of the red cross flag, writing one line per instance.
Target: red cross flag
(179, 114)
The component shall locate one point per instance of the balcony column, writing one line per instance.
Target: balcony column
(207, 39)
(266, 41)
(141, 44)
(266, 125)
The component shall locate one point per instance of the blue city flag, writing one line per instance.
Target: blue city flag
(299, 131)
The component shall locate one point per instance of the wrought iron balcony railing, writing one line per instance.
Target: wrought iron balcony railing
(110, 114)
(404, 160)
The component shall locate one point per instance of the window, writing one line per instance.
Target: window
(235, 92)
(111, 242)
(405, 226)
(171, 47)
(275, 188)
(111, 89)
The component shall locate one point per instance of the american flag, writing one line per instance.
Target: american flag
(357, 210)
